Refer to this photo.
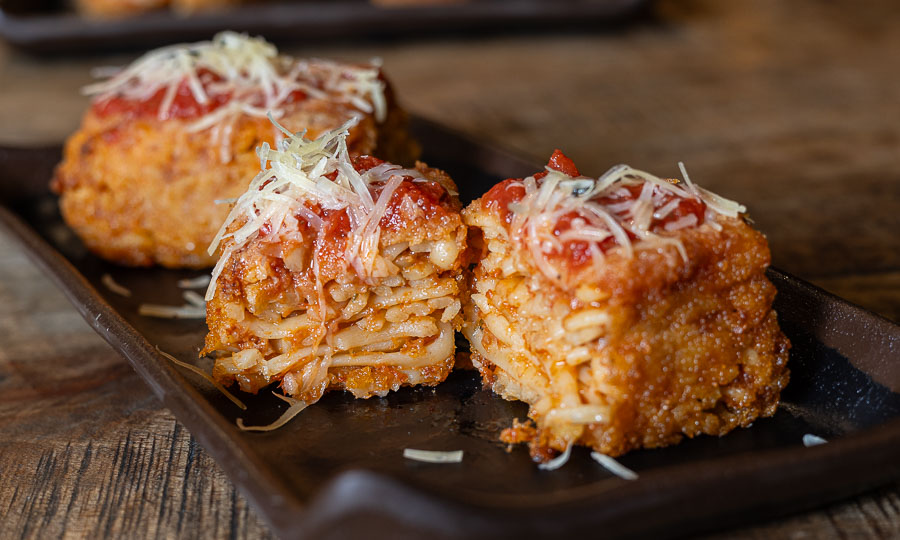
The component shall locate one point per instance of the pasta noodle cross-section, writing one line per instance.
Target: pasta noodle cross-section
(338, 272)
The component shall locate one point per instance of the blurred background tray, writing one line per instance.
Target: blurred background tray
(47, 27)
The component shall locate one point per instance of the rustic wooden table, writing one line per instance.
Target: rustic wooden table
(791, 108)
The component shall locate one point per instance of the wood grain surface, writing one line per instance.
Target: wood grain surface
(790, 107)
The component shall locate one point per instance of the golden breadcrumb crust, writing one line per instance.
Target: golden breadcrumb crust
(259, 282)
(686, 347)
(140, 191)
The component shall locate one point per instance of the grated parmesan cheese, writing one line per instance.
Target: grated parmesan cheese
(187, 311)
(614, 466)
(248, 73)
(548, 200)
(812, 440)
(296, 176)
(296, 406)
(206, 376)
(433, 456)
(558, 461)
(113, 286)
(194, 299)
(198, 282)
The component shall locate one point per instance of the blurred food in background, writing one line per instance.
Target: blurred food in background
(72, 26)
(125, 8)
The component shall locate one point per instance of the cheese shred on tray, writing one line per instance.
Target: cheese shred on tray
(337, 272)
(176, 131)
(628, 311)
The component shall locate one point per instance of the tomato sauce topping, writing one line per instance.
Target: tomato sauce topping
(431, 199)
(331, 243)
(511, 190)
(685, 206)
(364, 163)
(578, 251)
(560, 162)
(184, 105)
(499, 197)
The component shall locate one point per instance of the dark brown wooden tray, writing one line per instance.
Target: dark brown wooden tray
(39, 28)
(337, 471)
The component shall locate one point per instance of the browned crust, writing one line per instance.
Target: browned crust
(139, 191)
(285, 291)
(677, 350)
(378, 380)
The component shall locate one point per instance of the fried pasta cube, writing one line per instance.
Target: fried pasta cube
(169, 136)
(337, 272)
(627, 311)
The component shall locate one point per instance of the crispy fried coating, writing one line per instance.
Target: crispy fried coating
(289, 306)
(141, 191)
(636, 352)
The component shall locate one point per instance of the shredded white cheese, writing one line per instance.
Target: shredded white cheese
(558, 461)
(433, 456)
(111, 284)
(187, 311)
(246, 74)
(557, 195)
(295, 177)
(812, 440)
(296, 406)
(614, 466)
(194, 299)
(206, 376)
(198, 282)
(194, 308)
